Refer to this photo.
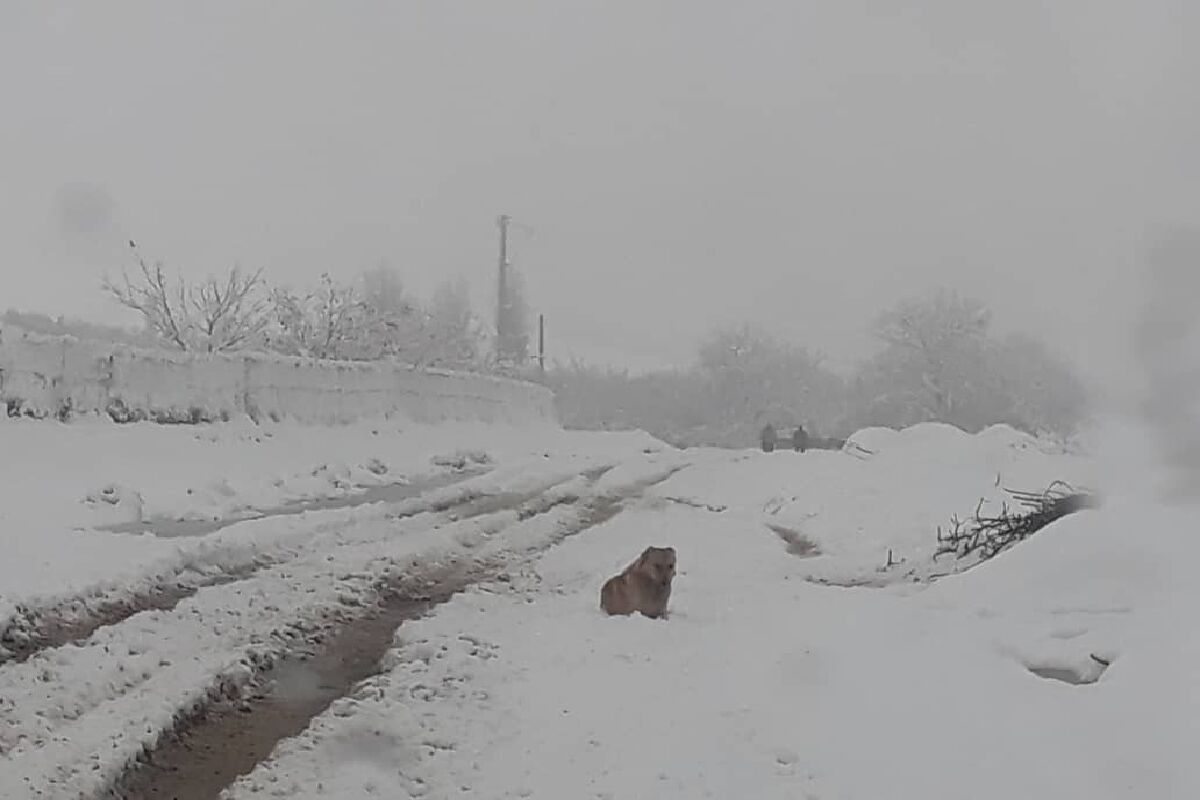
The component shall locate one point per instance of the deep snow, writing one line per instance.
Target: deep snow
(763, 684)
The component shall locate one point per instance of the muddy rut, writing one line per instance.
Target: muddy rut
(210, 750)
(32, 630)
(229, 738)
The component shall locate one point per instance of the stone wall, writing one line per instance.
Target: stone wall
(59, 376)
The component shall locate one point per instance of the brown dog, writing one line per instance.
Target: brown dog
(644, 586)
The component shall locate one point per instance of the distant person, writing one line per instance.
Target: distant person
(768, 438)
(799, 439)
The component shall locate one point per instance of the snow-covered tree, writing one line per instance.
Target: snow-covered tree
(373, 318)
(330, 322)
(932, 348)
(1045, 395)
(396, 324)
(938, 363)
(383, 291)
(455, 335)
(755, 378)
(742, 378)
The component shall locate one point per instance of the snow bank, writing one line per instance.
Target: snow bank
(857, 509)
(63, 376)
(869, 441)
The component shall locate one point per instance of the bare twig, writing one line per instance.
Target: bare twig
(214, 315)
(987, 536)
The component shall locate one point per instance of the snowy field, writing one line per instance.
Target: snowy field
(765, 685)
(1060, 669)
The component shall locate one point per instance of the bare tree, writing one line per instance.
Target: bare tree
(215, 315)
(232, 312)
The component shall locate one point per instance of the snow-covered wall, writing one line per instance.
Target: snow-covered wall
(63, 376)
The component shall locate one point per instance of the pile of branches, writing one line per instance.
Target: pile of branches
(986, 536)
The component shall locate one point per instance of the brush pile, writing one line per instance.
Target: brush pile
(983, 537)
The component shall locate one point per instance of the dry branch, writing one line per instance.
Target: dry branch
(986, 536)
(214, 315)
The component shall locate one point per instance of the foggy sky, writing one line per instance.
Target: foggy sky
(678, 164)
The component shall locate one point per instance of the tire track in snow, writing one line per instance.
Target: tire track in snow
(227, 739)
(33, 629)
(78, 718)
(199, 759)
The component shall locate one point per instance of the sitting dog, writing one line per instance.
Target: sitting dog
(644, 586)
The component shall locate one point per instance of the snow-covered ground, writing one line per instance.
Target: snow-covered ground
(763, 684)
(60, 483)
(887, 492)
(73, 717)
(1063, 668)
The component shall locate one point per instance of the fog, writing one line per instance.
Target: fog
(842, 300)
(670, 165)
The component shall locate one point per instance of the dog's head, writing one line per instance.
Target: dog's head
(659, 564)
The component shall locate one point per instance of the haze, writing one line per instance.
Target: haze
(675, 164)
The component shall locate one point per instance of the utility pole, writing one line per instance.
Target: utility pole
(542, 344)
(502, 333)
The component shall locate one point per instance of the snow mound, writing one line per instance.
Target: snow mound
(932, 435)
(1007, 436)
(871, 440)
(1115, 560)
(864, 513)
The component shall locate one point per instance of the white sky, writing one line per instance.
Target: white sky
(682, 162)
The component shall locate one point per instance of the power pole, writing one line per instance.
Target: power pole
(542, 344)
(502, 333)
